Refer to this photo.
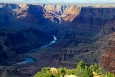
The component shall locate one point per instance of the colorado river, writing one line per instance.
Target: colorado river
(44, 46)
(29, 60)
(52, 42)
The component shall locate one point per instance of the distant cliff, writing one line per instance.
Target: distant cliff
(89, 18)
(61, 13)
(24, 16)
(94, 18)
(75, 26)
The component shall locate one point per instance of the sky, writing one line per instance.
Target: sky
(60, 1)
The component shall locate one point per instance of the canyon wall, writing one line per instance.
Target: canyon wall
(108, 56)
(63, 20)
(13, 43)
(61, 13)
(24, 16)
(89, 18)
(94, 18)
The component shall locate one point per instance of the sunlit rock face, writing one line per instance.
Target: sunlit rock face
(28, 30)
(24, 16)
(80, 17)
(48, 15)
(61, 13)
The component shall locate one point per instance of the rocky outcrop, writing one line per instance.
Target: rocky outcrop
(68, 53)
(107, 30)
(108, 56)
(68, 65)
(47, 15)
(11, 71)
(107, 60)
(93, 18)
(80, 17)
(24, 16)
(61, 13)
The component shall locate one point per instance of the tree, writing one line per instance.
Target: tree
(45, 69)
(62, 71)
(48, 75)
(56, 75)
(70, 71)
(87, 72)
(81, 71)
(108, 74)
(80, 67)
(38, 74)
(45, 72)
(41, 74)
(96, 68)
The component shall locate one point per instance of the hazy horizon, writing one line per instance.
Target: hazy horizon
(59, 1)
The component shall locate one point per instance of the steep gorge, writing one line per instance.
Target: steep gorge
(80, 17)
(82, 33)
(15, 43)
(93, 19)
(30, 15)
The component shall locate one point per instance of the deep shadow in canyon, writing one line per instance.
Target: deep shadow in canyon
(83, 33)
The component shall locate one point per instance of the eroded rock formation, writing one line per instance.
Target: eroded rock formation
(82, 33)
(37, 15)
(62, 13)
(107, 60)
(108, 56)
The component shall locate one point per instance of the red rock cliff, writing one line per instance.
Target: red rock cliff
(108, 56)
(108, 59)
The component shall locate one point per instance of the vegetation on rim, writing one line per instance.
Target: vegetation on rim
(81, 70)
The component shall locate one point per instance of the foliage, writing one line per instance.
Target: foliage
(108, 74)
(40, 74)
(45, 69)
(45, 72)
(87, 72)
(70, 71)
(80, 68)
(95, 67)
(81, 71)
(56, 75)
(62, 71)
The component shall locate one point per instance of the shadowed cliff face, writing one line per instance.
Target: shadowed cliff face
(34, 16)
(30, 30)
(80, 17)
(11, 71)
(24, 16)
(75, 28)
(94, 18)
(13, 43)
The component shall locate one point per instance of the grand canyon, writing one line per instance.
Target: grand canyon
(55, 35)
